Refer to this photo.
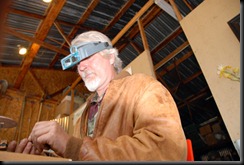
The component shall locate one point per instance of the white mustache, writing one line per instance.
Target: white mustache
(85, 73)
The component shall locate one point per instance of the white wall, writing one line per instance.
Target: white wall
(142, 64)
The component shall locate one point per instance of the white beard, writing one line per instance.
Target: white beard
(92, 85)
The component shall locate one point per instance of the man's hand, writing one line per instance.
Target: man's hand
(24, 146)
(49, 134)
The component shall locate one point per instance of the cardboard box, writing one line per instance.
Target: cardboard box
(216, 127)
(64, 107)
(210, 139)
(204, 130)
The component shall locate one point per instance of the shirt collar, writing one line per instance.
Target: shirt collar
(96, 98)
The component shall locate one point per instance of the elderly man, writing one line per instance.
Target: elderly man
(127, 118)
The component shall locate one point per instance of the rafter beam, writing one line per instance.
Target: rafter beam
(83, 18)
(171, 55)
(180, 60)
(32, 74)
(132, 21)
(60, 30)
(55, 8)
(35, 40)
(168, 39)
(146, 19)
(143, 35)
(118, 15)
(176, 10)
(194, 97)
(41, 17)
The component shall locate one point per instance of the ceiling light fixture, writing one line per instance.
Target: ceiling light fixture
(46, 1)
(22, 50)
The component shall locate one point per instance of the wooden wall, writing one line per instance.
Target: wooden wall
(28, 104)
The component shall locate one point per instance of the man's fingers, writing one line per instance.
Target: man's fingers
(37, 152)
(20, 148)
(33, 150)
(28, 147)
(11, 146)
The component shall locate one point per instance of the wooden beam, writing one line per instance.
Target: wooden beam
(36, 80)
(188, 5)
(72, 101)
(180, 60)
(4, 10)
(36, 16)
(55, 8)
(83, 18)
(133, 20)
(171, 55)
(118, 15)
(195, 75)
(136, 47)
(34, 40)
(143, 35)
(194, 97)
(176, 10)
(72, 87)
(163, 82)
(169, 38)
(60, 30)
(149, 16)
(88, 11)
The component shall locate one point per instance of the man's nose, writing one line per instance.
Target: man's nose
(82, 65)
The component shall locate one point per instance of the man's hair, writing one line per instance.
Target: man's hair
(93, 36)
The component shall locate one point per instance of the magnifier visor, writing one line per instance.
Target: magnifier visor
(82, 51)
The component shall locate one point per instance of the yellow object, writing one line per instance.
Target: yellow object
(229, 72)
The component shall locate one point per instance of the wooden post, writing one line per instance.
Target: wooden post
(20, 123)
(176, 10)
(72, 102)
(143, 35)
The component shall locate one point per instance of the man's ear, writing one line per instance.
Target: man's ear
(111, 58)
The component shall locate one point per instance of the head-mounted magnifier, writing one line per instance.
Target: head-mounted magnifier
(82, 51)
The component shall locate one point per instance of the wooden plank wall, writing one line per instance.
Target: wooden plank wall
(26, 105)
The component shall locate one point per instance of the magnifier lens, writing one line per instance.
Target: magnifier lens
(73, 49)
(67, 62)
(74, 59)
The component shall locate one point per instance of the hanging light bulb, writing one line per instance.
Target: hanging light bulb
(22, 50)
(47, 1)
